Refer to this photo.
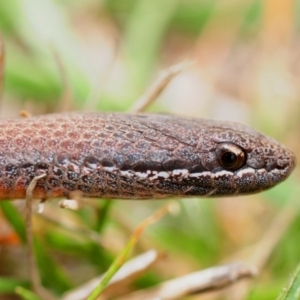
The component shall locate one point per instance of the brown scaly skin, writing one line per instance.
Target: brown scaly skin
(142, 156)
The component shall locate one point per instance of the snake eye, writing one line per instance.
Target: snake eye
(231, 157)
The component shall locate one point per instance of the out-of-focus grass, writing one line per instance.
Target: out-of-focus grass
(247, 70)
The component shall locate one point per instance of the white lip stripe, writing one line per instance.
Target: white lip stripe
(180, 172)
(110, 169)
(222, 173)
(245, 171)
(141, 175)
(160, 174)
(126, 173)
(200, 174)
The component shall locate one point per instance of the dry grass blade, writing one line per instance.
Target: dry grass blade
(65, 103)
(128, 272)
(33, 270)
(158, 86)
(120, 259)
(198, 282)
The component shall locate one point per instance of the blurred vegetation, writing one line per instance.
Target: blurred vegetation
(101, 55)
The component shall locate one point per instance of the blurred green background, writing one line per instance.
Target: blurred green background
(102, 55)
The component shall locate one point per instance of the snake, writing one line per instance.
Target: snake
(136, 156)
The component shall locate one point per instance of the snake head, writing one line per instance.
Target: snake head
(250, 161)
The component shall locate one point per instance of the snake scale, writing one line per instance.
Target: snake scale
(136, 156)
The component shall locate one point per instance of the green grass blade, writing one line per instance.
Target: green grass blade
(292, 290)
(14, 218)
(8, 285)
(52, 274)
(103, 215)
(26, 294)
(122, 257)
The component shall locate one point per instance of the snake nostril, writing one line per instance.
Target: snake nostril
(271, 165)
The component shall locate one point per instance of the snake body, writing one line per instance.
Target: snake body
(114, 155)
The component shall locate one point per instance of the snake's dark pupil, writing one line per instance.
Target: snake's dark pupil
(228, 159)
